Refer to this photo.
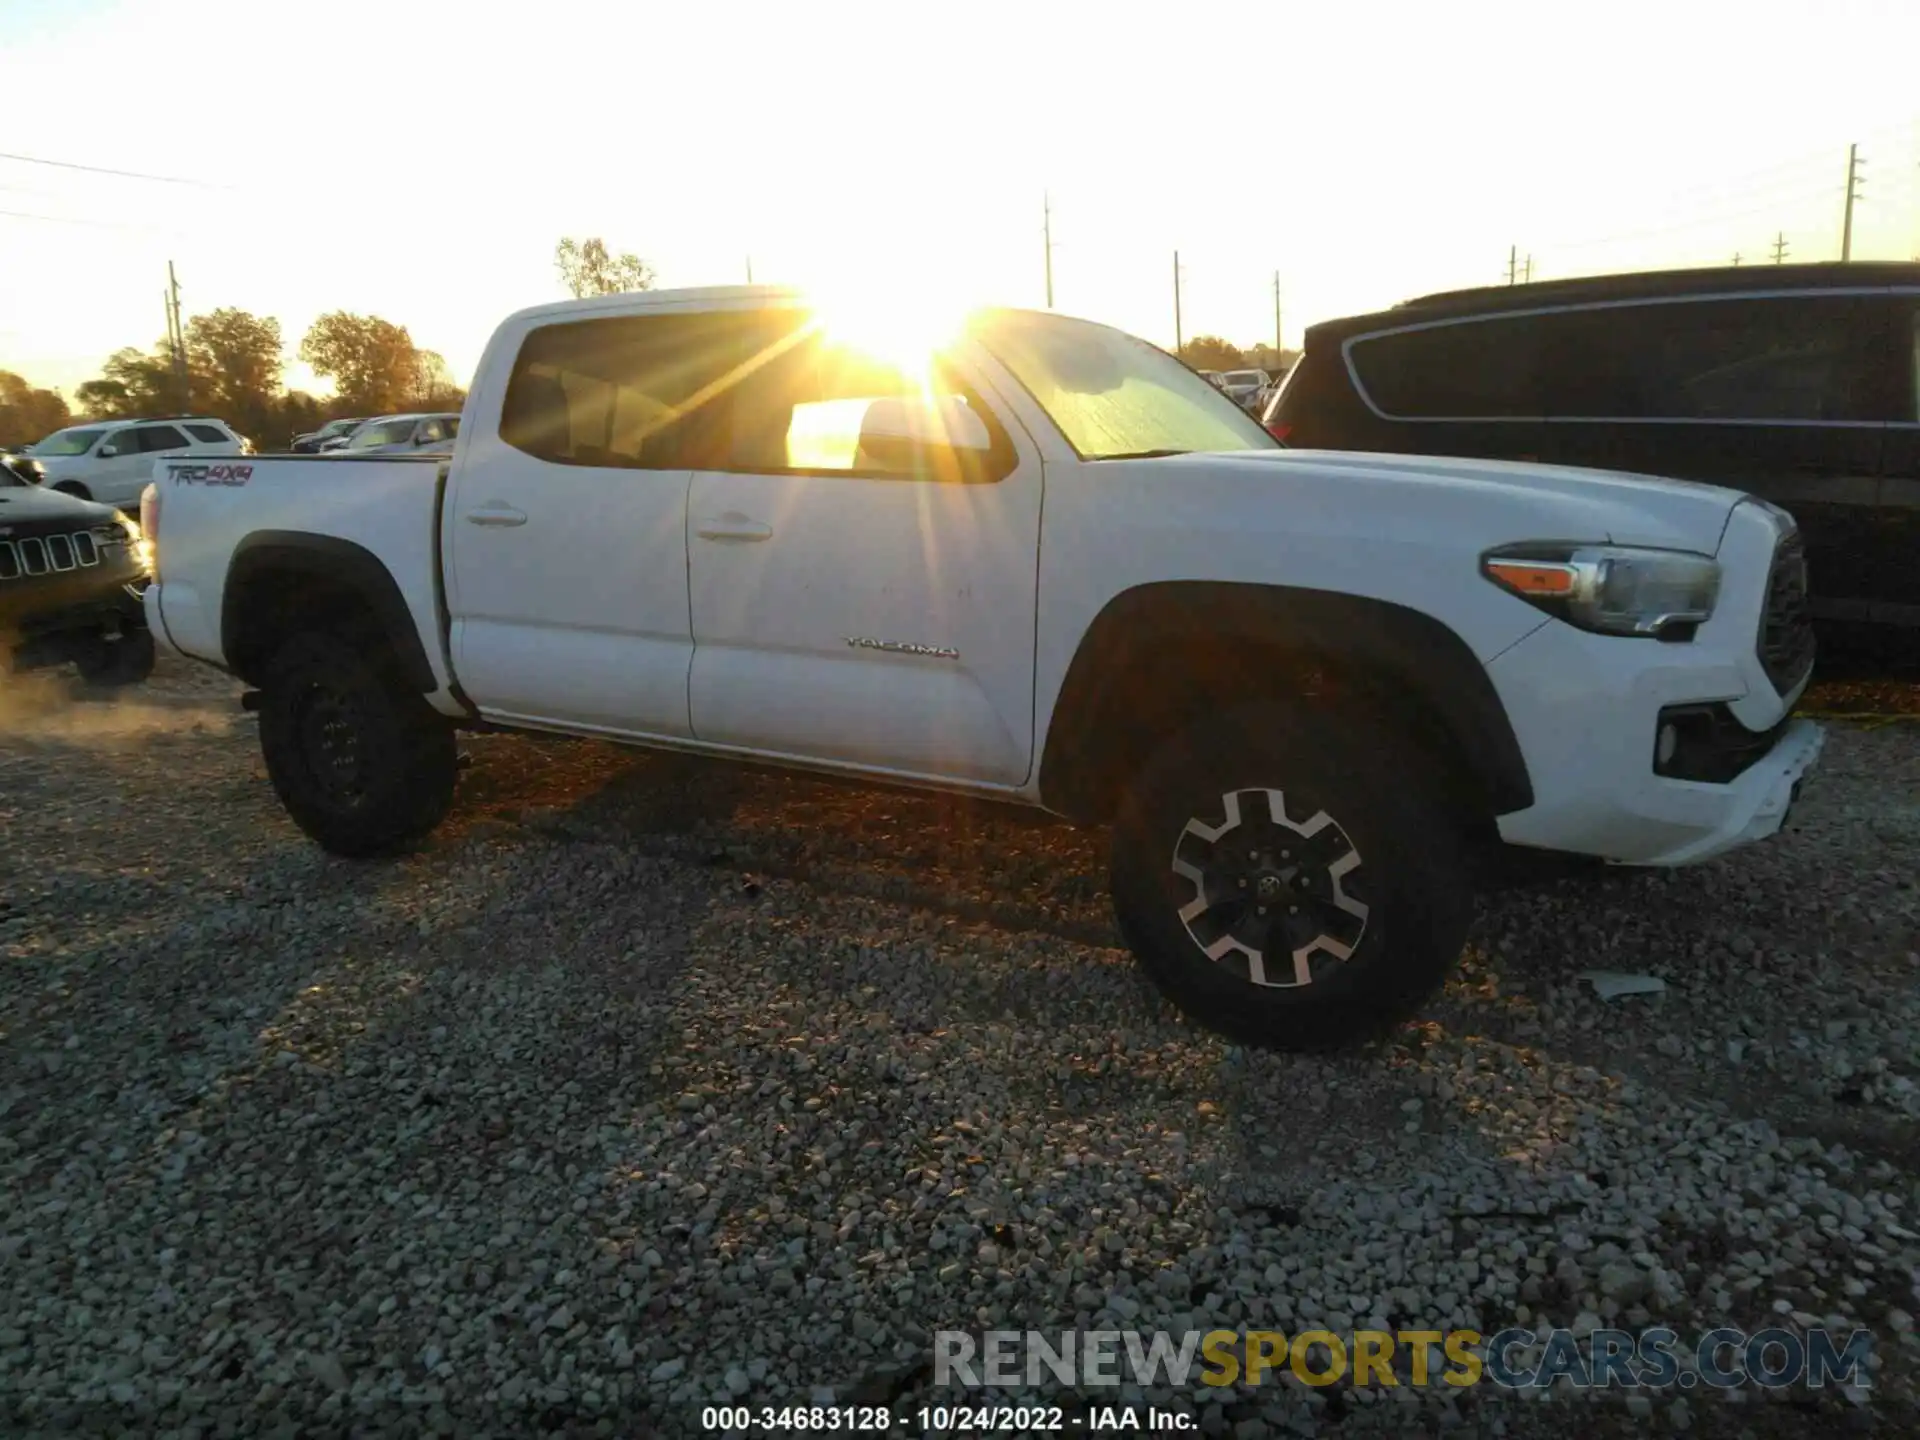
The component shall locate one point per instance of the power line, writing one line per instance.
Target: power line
(103, 170)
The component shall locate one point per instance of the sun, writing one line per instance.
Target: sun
(903, 325)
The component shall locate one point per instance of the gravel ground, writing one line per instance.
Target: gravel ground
(646, 1083)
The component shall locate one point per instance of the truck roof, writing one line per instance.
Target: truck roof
(695, 295)
(717, 296)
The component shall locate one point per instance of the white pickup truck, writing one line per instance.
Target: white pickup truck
(1039, 561)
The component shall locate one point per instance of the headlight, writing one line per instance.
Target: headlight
(1611, 589)
(137, 544)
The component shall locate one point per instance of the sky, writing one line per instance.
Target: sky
(419, 161)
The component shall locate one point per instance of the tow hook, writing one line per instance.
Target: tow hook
(250, 701)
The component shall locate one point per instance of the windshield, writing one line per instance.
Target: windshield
(1246, 377)
(1115, 397)
(68, 442)
(336, 427)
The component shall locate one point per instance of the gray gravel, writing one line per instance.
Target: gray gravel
(646, 1084)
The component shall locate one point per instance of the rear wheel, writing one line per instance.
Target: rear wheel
(75, 489)
(362, 763)
(1288, 879)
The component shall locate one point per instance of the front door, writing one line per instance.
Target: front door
(565, 537)
(1897, 521)
(127, 472)
(853, 606)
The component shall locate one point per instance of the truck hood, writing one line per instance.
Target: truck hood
(29, 504)
(1520, 501)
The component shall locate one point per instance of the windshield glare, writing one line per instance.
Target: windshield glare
(1113, 395)
(68, 442)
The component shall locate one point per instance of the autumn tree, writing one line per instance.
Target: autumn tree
(587, 269)
(235, 361)
(433, 387)
(1210, 352)
(28, 412)
(136, 382)
(372, 362)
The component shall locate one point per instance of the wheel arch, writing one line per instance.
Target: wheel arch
(1158, 655)
(282, 579)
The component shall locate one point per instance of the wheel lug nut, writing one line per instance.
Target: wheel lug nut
(1243, 884)
(1293, 909)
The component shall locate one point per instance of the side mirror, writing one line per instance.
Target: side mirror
(913, 435)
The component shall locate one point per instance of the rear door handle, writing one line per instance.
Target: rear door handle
(496, 514)
(732, 526)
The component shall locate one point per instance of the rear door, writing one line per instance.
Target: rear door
(565, 535)
(850, 607)
(1779, 395)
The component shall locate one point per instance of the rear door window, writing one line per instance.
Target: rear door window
(1457, 370)
(634, 392)
(160, 437)
(210, 434)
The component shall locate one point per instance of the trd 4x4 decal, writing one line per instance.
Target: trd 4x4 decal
(210, 474)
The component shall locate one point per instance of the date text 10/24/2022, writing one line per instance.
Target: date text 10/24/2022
(943, 1419)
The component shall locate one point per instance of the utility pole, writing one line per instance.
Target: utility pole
(1736, 257)
(1513, 263)
(1277, 346)
(1779, 247)
(1046, 237)
(1179, 336)
(749, 269)
(177, 333)
(1527, 279)
(1853, 180)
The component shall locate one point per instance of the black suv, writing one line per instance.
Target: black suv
(1796, 383)
(71, 577)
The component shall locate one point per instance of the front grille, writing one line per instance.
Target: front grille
(48, 554)
(1785, 646)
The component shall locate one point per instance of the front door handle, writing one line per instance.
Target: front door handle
(496, 513)
(732, 526)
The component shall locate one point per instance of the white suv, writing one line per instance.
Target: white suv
(112, 461)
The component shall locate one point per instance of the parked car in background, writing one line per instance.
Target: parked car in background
(316, 440)
(112, 460)
(1243, 387)
(1796, 383)
(1309, 694)
(71, 576)
(401, 435)
(1212, 377)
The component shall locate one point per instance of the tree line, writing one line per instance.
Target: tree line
(1210, 352)
(233, 367)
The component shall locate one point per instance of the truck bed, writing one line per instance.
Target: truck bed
(387, 506)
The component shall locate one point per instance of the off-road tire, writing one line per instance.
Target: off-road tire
(1337, 830)
(361, 762)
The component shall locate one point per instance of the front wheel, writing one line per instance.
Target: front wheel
(362, 764)
(1288, 879)
(75, 489)
(127, 660)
